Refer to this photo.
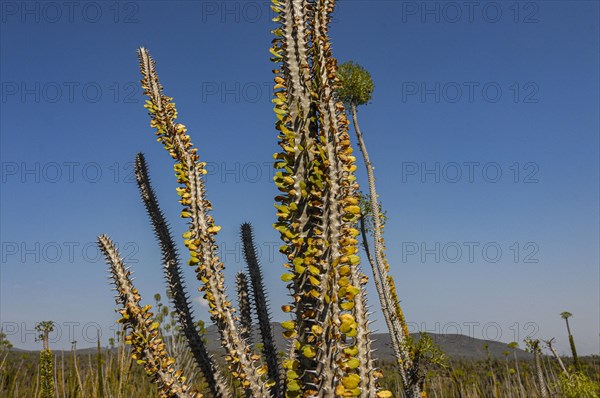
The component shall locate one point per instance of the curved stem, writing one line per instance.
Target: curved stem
(387, 295)
(144, 336)
(175, 283)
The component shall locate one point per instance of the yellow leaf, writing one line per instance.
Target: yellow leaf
(344, 270)
(154, 325)
(293, 385)
(316, 329)
(309, 351)
(353, 363)
(274, 52)
(352, 209)
(288, 325)
(288, 363)
(214, 229)
(287, 277)
(351, 381)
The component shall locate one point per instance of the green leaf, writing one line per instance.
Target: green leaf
(353, 363)
(288, 325)
(309, 351)
(287, 277)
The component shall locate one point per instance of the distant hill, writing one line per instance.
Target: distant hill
(454, 345)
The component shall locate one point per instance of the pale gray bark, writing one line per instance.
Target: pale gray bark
(399, 343)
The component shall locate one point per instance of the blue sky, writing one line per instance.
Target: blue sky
(483, 130)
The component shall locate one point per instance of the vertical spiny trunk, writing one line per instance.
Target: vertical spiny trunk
(300, 213)
(175, 283)
(317, 216)
(147, 344)
(46, 371)
(574, 352)
(572, 345)
(354, 349)
(262, 310)
(386, 291)
(244, 306)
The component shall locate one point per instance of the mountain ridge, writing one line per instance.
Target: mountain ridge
(455, 346)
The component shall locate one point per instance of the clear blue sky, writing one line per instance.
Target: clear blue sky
(483, 129)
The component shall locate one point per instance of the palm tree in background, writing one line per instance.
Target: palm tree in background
(44, 329)
(566, 315)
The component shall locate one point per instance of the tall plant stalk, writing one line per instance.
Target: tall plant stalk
(148, 348)
(243, 294)
(566, 315)
(384, 282)
(174, 277)
(261, 305)
(46, 359)
(356, 89)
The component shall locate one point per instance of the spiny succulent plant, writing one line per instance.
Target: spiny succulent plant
(318, 208)
(44, 329)
(356, 89)
(46, 373)
(243, 294)
(261, 305)
(175, 283)
(317, 211)
(147, 344)
(566, 315)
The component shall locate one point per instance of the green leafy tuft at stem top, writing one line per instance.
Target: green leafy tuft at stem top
(357, 85)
